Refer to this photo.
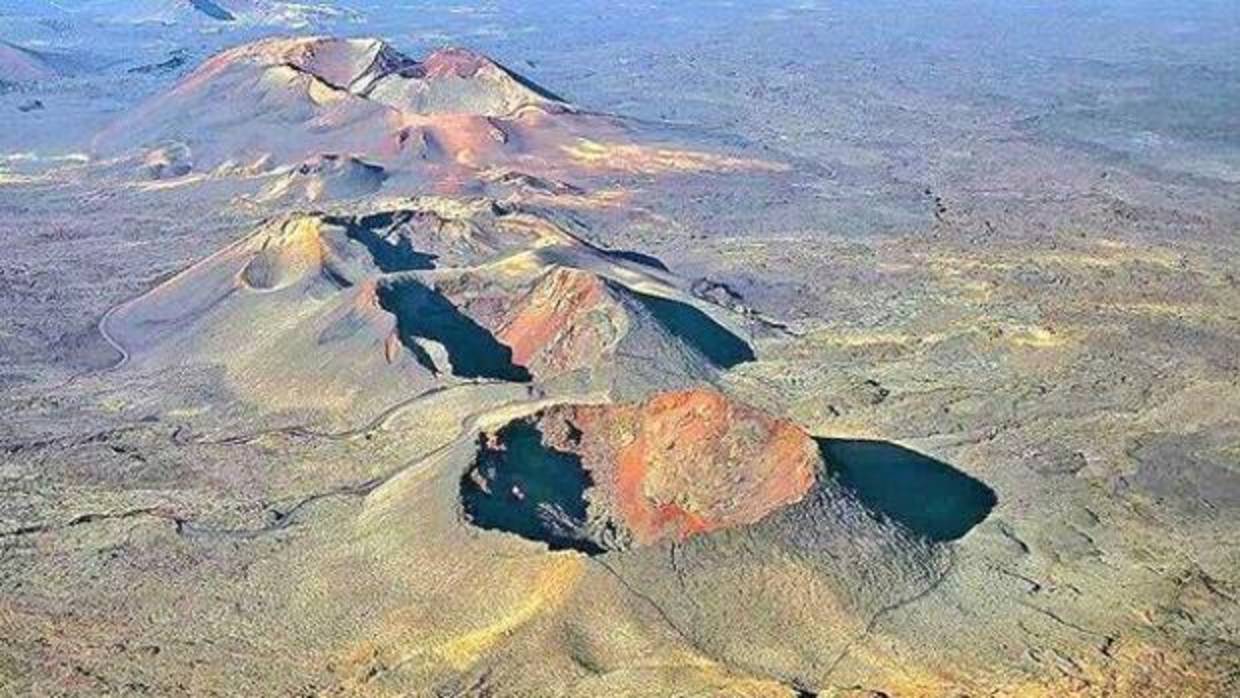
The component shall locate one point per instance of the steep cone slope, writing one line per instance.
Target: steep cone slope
(23, 65)
(330, 310)
(571, 323)
(611, 476)
(293, 313)
(291, 99)
(706, 522)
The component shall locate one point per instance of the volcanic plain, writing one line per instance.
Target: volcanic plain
(352, 353)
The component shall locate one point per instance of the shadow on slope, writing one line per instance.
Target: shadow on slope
(212, 10)
(522, 486)
(928, 496)
(389, 254)
(423, 313)
(699, 330)
(641, 258)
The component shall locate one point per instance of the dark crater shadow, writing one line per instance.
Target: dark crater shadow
(926, 495)
(390, 256)
(698, 330)
(212, 10)
(519, 485)
(646, 260)
(422, 312)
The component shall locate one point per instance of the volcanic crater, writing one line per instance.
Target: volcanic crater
(435, 290)
(606, 477)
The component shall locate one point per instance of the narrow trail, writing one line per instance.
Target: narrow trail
(281, 519)
(375, 424)
(102, 328)
(113, 341)
(378, 423)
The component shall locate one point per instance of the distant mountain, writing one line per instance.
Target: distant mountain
(33, 8)
(286, 100)
(448, 118)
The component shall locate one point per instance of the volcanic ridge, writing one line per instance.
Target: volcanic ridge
(20, 65)
(334, 309)
(293, 99)
(452, 116)
(209, 15)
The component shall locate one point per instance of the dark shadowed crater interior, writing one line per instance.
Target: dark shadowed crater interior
(424, 313)
(389, 254)
(519, 485)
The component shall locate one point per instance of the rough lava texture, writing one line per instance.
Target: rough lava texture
(686, 462)
(545, 326)
(679, 464)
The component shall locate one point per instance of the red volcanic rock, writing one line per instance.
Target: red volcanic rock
(456, 61)
(685, 462)
(546, 325)
(566, 319)
(575, 323)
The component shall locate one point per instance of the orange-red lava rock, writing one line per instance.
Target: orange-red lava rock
(684, 462)
(548, 329)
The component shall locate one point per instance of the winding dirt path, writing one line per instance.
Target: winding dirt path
(378, 423)
(113, 341)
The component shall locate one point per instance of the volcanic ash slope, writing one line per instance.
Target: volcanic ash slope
(19, 65)
(323, 178)
(345, 312)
